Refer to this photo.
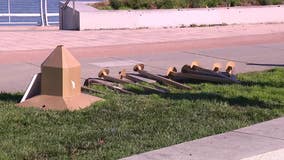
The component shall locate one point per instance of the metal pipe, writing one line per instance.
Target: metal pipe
(187, 76)
(45, 12)
(139, 68)
(61, 13)
(191, 75)
(123, 74)
(9, 11)
(104, 83)
(203, 71)
(104, 73)
(230, 67)
(41, 13)
(18, 23)
(74, 18)
(20, 14)
(113, 79)
(136, 80)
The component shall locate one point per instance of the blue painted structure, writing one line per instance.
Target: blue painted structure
(29, 7)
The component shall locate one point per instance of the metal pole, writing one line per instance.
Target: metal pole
(9, 11)
(61, 4)
(45, 12)
(74, 23)
(41, 13)
(140, 69)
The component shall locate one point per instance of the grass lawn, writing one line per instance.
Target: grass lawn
(127, 124)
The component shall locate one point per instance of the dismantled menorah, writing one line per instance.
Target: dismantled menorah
(58, 86)
(193, 72)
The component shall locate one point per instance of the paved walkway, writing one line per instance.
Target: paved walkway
(32, 38)
(263, 141)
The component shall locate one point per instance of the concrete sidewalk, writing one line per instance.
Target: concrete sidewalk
(32, 38)
(263, 141)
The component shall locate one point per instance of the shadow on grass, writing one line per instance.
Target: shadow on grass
(242, 82)
(237, 101)
(262, 84)
(266, 79)
(8, 97)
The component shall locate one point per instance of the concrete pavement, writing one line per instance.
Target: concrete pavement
(263, 141)
(32, 38)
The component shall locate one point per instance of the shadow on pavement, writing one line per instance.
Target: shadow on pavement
(263, 64)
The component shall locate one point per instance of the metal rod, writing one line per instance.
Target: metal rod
(202, 71)
(104, 83)
(61, 16)
(113, 79)
(41, 13)
(74, 18)
(45, 12)
(18, 23)
(136, 80)
(195, 67)
(230, 67)
(187, 76)
(104, 74)
(20, 14)
(123, 74)
(9, 11)
(139, 68)
(173, 74)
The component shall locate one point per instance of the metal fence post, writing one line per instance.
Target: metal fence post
(45, 13)
(41, 13)
(9, 11)
(74, 18)
(61, 15)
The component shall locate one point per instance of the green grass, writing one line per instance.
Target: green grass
(127, 124)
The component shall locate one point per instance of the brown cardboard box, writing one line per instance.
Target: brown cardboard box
(60, 87)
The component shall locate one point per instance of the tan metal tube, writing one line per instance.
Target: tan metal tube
(140, 69)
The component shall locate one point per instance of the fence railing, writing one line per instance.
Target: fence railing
(35, 12)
